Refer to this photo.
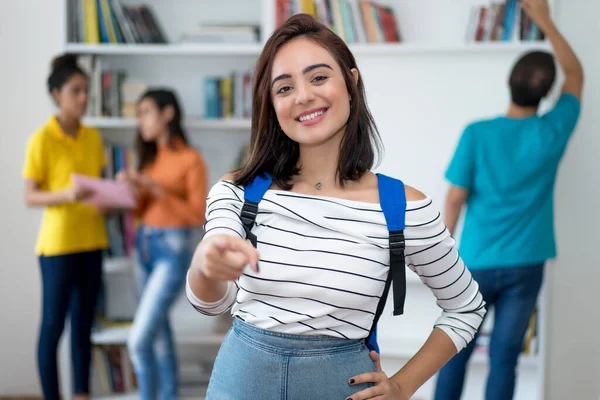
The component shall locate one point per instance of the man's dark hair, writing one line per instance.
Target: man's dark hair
(532, 78)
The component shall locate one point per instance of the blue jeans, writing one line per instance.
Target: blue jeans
(164, 256)
(254, 363)
(513, 293)
(68, 281)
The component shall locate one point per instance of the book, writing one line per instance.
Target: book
(105, 192)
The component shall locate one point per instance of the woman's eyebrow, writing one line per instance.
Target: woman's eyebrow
(304, 71)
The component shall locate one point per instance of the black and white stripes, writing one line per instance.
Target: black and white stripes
(324, 261)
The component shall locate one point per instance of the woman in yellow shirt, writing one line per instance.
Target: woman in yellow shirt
(72, 234)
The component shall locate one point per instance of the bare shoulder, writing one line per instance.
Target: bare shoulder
(228, 176)
(370, 190)
(413, 194)
(366, 189)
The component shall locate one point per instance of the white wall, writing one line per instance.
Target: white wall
(421, 102)
(574, 352)
(28, 39)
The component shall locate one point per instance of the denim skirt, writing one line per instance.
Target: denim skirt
(256, 364)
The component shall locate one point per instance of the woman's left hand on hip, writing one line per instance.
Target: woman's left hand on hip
(385, 388)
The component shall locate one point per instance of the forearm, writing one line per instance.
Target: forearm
(142, 201)
(44, 198)
(565, 55)
(451, 214)
(437, 351)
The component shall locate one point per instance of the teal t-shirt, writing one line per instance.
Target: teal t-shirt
(509, 168)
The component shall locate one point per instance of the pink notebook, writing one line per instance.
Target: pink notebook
(106, 192)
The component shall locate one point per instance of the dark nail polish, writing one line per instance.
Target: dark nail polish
(257, 268)
(351, 381)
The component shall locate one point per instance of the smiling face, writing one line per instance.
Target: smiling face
(309, 93)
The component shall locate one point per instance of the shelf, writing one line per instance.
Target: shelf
(255, 49)
(110, 336)
(224, 49)
(118, 396)
(192, 123)
(118, 336)
(114, 265)
(418, 48)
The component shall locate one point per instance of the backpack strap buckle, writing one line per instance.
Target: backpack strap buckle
(248, 216)
(397, 245)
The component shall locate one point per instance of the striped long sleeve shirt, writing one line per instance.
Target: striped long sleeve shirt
(324, 262)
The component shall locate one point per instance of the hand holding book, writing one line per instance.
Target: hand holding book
(538, 10)
(103, 193)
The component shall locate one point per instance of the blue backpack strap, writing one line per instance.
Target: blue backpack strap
(393, 204)
(253, 194)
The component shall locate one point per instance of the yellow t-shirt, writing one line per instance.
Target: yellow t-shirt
(52, 156)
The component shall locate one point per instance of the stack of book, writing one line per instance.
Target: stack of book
(223, 33)
(112, 21)
(112, 371)
(355, 21)
(501, 22)
(111, 93)
(228, 96)
(121, 227)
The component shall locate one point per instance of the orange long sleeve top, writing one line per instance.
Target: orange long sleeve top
(183, 176)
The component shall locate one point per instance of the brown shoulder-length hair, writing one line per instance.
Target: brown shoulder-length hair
(271, 150)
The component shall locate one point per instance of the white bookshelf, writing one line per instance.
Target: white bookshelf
(398, 77)
(254, 50)
(165, 49)
(191, 124)
(118, 336)
(441, 48)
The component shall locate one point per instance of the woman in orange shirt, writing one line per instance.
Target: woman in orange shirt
(170, 184)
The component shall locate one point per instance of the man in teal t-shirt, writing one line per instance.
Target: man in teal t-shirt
(504, 170)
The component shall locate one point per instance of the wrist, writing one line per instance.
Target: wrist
(405, 388)
(546, 25)
(64, 196)
(199, 273)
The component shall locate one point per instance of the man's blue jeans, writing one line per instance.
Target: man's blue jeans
(512, 292)
(165, 256)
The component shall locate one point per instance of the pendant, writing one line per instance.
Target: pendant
(318, 186)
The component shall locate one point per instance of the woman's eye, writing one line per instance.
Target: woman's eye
(320, 78)
(283, 89)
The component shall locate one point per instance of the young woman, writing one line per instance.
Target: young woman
(72, 234)
(303, 314)
(171, 187)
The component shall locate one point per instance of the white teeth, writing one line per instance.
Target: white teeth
(311, 116)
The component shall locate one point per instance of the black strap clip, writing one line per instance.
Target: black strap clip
(248, 216)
